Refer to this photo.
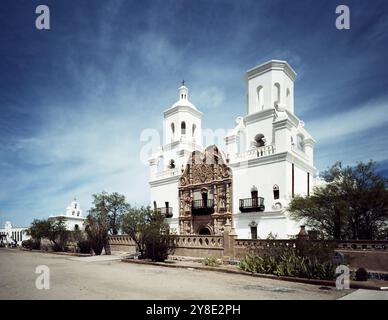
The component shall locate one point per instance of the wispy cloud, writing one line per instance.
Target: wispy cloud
(75, 100)
(327, 129)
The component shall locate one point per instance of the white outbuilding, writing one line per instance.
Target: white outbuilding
(73, 218)
(10, 234)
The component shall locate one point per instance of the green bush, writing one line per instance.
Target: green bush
(252, 263)
(156, 248)
(289, 264)
(361, 274)
(31, 244)
(211, 262)
(56, 247)
(84, 246)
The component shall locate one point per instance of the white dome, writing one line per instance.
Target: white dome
(183, 99)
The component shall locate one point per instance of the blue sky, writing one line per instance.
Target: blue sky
(74, 100)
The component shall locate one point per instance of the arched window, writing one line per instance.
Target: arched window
(193, 130)
(300, 142)
(76, 227)
(276, 191)
(173, 129)
(260, 98)
(259, 140)
(276, 93)
(183, 127)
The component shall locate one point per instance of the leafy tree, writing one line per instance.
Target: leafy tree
(352, 204)
(134, 223)
(97, 228)
(58, 234)
(158, 240)
(115, 206)
(55, 231)
(38, 230)
(149, 231)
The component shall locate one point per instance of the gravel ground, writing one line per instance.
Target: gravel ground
(98, 278)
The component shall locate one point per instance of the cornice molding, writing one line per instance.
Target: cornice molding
(269, 66)
(177, 109)
(283, 124)
(260, 115)
(273, 158)
(164, 181)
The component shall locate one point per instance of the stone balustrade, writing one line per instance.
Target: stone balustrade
(372, 245)
(256, 153)
(228, 246)
(199, 242)
(120, 239)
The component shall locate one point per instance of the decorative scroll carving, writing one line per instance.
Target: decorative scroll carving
(222, 199)
(202, 173)
(210, 177)
(204, 168)
(187, 200)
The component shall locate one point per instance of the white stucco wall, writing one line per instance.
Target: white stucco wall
(166, 192)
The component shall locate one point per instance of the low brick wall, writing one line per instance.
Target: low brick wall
(122, 243)
(199, 246)
(372, 255)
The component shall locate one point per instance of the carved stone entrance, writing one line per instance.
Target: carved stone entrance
(205, 193)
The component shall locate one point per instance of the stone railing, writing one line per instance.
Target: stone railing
(216, 242)
(256, 153)
(373, 245)
(199, 246)
(263, 244)
(228, 246)
(121, 239)
(122, 243)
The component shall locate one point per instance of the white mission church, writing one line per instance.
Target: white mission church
(268, 159)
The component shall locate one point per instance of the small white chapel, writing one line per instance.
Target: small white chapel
(73, 218)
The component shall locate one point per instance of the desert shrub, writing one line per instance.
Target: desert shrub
(57, 247)
(210, 262)
(84, 246)
(289, 263)
(149, 230)
(252, 263)
(158, 241)
(156, 249)
(31, 244)
(361, 274)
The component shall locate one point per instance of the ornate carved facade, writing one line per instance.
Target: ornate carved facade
(205, 193)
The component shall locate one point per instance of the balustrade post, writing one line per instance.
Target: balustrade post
(229, 241)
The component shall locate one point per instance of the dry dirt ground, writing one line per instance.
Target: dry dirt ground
(98, 278)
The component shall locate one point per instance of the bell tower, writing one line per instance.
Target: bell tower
(183, 121)
(270, 85)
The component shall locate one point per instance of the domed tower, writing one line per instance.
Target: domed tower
(182, 134)
(183, 121)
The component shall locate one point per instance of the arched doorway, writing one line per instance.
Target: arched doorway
(204, 231)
